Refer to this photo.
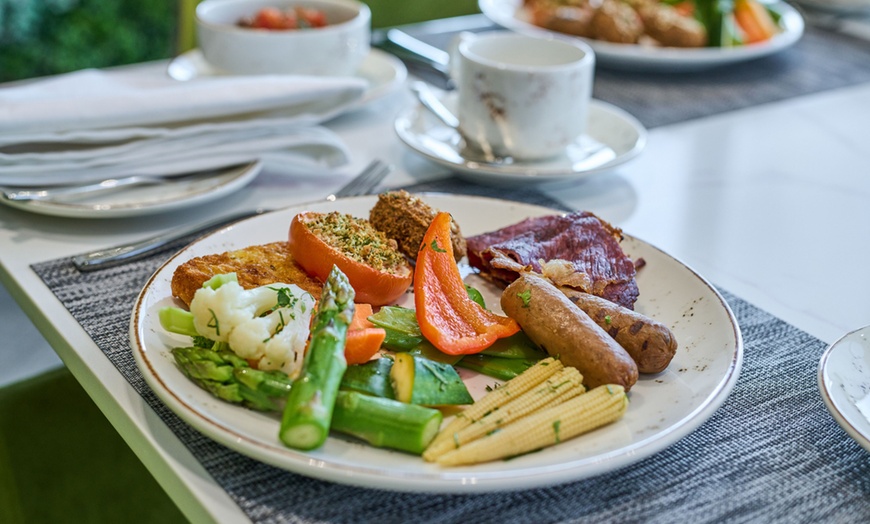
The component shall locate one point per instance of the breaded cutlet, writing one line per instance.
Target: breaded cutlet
(254, 266)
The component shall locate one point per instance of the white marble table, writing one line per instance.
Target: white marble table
(771, 203)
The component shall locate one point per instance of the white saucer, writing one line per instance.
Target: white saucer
(383, 71)
(612, 138)
(147, 200)
(844, 383)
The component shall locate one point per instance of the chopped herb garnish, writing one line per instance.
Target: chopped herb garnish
(285, 297)
(436, 248)
(607, 319)
(214, 323)
(554, 387)
(281, 323)
(526, 297)
(202, 342)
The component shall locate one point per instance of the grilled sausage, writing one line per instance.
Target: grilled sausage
(549, 318)
(650, 343)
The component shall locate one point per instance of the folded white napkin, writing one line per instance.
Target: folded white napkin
(92, 124)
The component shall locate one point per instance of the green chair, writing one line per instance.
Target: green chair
(61, 460)
(385, 13)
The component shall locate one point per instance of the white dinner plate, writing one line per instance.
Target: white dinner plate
(383, 71)
(663, 407)
(147, 199)
(844, 382)
(612, 138)
(511, 15)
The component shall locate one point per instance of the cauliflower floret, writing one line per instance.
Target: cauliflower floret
(276, 341)
(216, 312)
(268, 324)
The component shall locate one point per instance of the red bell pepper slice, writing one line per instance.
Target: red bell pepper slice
(448, 318)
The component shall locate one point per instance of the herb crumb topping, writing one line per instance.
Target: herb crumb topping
(356, 238)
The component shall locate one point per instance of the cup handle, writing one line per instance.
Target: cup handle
(453, 52)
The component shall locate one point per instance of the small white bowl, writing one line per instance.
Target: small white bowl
(335, 50)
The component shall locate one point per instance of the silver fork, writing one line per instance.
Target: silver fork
(362, 184)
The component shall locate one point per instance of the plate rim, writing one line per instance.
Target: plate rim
(246, 173)
(666, 59)
(828, 396)
(513, 173)
(446, 481)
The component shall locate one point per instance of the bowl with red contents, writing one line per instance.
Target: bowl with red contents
(304, 37)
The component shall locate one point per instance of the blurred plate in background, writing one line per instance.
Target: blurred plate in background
(147, 199)
(511, 15)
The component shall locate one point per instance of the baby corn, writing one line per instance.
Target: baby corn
(511, 389)
(583, 413)
(562, 386)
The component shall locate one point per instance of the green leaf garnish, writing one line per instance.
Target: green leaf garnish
(525, 296)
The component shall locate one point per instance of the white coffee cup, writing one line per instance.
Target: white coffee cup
(521, 96)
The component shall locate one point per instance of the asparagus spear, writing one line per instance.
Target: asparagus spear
(311, 406)
(228, 377)
(308, 412)
(177, 320)
(384, 422)
(205, 366)
(381, 422)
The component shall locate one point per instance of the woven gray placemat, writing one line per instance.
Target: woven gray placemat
(821, 60)
(771, 453)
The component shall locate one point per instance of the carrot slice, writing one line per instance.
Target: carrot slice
(755, 21)
(362, 344)
(361, 314)
(363, 338)
(685, 8)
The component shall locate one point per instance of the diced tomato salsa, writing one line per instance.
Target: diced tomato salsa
(274, 19)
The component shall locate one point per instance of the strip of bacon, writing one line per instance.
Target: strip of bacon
(589, 243)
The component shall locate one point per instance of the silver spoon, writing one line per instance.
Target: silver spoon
(430, 101)
(434, 104)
